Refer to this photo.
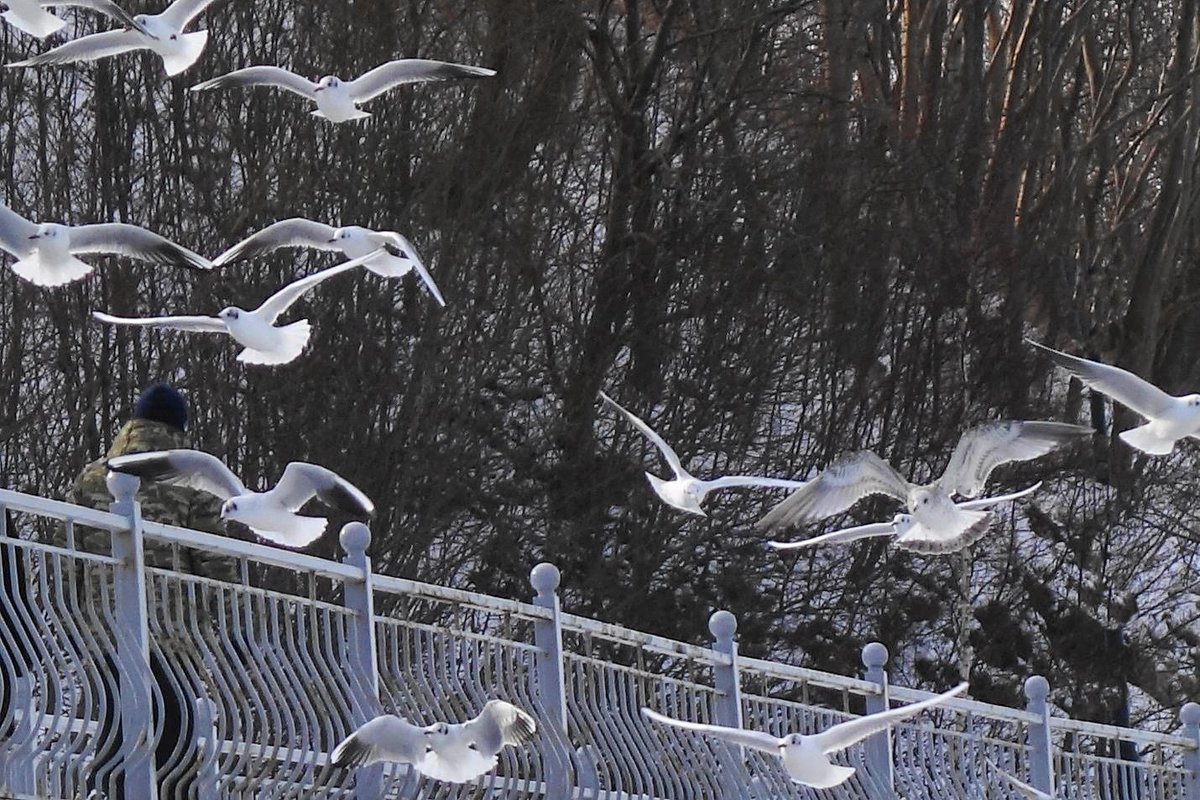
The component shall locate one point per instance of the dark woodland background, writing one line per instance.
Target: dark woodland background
(777, 230)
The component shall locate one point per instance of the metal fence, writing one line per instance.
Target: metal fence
(122, 680)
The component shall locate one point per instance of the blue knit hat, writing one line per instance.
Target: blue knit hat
(162, 403)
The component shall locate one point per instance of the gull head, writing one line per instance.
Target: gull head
(229, 510)
(328, 82)
(150, 25)
(1191, 400)
(49, 231)
(438, 729)
(924, 498)
(348, 234)
(230, 314)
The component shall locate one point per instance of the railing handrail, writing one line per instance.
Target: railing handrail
(62, 510)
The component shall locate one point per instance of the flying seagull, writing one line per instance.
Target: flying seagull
(806, 756)
(32, 17)
(458, 753)
(1169, 418)
(338, 100)
(853, 476)
(46, 252)
(398, 258)
(1022, 788)
(264, 342)
(909, 534)
(270, 514)
(162, 33)
(685, 491)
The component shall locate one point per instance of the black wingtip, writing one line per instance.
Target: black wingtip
(350, 753)
(341, 498)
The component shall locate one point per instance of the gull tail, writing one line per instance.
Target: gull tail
(190, 46)
(970, 527)
(389, 266)
(302, 532)
(40, 23)
(828, 776)
(1144, 439)
(292, 340)
(358, 114)
(34, 270)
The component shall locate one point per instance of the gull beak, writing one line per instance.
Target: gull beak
(317, 89)
(35, 236)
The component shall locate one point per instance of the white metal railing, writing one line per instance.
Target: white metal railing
(123, 680)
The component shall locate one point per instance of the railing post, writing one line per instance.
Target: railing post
(1041, 762)
(133, 643)
(549, 674)
(1190, 716)
(879, 746)
(359, 596)
(726, 679)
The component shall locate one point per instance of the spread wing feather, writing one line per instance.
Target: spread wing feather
(985, 447)
(848, 479)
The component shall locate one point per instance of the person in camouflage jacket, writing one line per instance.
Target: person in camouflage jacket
(159, 422)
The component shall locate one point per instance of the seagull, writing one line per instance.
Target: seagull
(162, 33)
(46, 252)
(264, 342)
(398, 258)
(270, 514)
(853, 476)
(1022, 788)
(457, 753)
(685, 491)
(806, 757)
(31, 15)
(1169, 418)
(910, 534)
(338, 100)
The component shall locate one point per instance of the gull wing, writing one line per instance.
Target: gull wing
(399, 246)
(1121, 385)
(15, 231)
(191, 324)
(294, 232)
(1024, 789)
(105, 7)
(848, 733)
(88, 48)
(183, 468)
(734, 481)
(301, 482)
(985, 447)
(409, 70)
(500, 724)
(282, 300)
(648, 432)
(385, 738)
(985, 503)
(848, 478)
(738, 737)
(840, 536)
(136, 242)
(181, 12)
(264, 75)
